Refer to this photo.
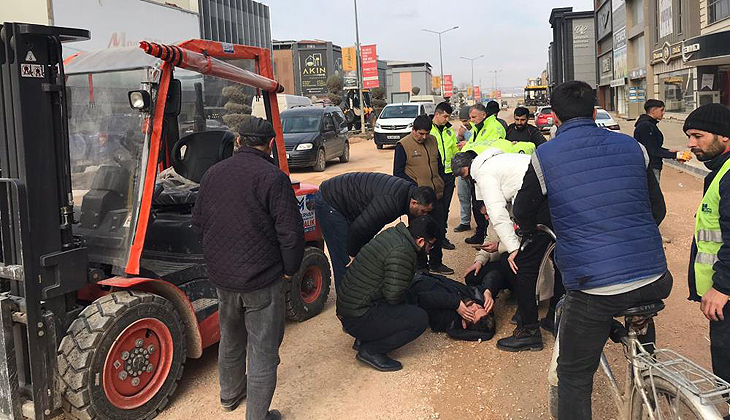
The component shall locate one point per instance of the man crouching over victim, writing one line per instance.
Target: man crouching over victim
(371, 302)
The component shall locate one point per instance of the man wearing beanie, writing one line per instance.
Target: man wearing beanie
(708, 133)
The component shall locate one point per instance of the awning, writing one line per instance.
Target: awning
(707, 50)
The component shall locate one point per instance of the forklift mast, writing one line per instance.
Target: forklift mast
(37, 247)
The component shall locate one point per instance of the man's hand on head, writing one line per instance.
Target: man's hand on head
(467, 313)
(488, 301)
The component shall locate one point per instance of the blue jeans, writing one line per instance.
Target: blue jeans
(464, 193)
(335, 229)
(252, 325)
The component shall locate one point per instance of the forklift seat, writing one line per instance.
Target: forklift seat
(195, 153)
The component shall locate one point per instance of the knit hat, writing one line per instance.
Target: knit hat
(464, 112)
(713, 118)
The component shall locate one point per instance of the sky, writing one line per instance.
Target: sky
(513, 35)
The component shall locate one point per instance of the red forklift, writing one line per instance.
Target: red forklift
(103, 288)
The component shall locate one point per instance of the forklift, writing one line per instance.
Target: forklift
(104, 291)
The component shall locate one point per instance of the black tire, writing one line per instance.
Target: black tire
(664, 388)
(307, 293)
(321, 163)
(345, 153)
(94, 334)
(379, 146)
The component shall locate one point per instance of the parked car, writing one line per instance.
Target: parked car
(544, 118)
(396, 121)
(604, 119)
(314, 135)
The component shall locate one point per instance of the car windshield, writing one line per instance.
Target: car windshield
(108, 145)
(602, 115)
(400, 111)
(546, 111)
(300, 123)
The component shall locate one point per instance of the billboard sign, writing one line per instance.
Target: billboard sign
(349, 59)
(369, 66)
(477, 93)
(448, 85)
(666, 25)
(313, 69)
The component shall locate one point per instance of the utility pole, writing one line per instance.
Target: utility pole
(441, 56)
(359, 72)
(494, 83)
(472, 74)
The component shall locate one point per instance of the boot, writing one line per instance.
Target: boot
(524, 338)
(441, 269)
(233, 403)
(447, 245)
(462, 228)
(273, 415)
(476, 239)
(380, 362)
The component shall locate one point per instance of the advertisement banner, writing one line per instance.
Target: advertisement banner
(666, 26)
(349, 59)
(448, 86)
(436, 82)
(477, 93)
(369, 66)
(313, 72)
(469, 90)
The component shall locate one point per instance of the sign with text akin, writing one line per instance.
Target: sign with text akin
(369, 66)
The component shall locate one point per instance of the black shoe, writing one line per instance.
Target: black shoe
(448, 245)
(380, 362)
(233, 403)
(476, 239)
(356, 345)
(547, 324)
(524, 338)
(462, 228)
(273, 415)
(516, 319)
(442, 269)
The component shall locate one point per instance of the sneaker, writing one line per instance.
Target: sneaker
(476, 239)
(462, 228)
(448, 245)
(380, 361)
(273, 415)
(233, 403)
(523, 338)
(442, 269)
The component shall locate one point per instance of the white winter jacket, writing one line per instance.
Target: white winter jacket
(498, 177)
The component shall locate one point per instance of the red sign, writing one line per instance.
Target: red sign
(369, 56)
(448, 86)
(477, 93)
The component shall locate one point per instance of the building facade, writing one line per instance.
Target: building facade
(402, 77)
(303, 67)
(244, 22)
(573, 50)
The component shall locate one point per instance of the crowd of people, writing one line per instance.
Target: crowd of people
(597, 189)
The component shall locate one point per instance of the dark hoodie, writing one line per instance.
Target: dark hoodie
(648, 134)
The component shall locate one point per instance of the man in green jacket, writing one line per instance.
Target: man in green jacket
(371, 299)
(446, 140)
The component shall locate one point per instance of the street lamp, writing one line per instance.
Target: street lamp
(494, 83)
(472, 73)
(359, 73)
(441, 56)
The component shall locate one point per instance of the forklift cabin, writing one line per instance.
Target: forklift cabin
(104, 287)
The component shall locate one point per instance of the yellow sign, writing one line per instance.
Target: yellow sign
(468, 90)
(349, 59)
(436, 82)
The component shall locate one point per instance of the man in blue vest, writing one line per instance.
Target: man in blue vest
(708, 131)
(609, 250)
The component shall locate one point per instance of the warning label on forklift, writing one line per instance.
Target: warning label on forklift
(32, 70)
(306, 208)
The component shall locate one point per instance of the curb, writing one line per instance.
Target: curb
(688, 169)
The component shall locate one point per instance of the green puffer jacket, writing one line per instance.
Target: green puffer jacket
(381, 272)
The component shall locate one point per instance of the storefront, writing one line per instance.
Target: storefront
(710, 54)
(675, 82)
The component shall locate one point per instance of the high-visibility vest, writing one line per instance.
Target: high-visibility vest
(492, 135)
(491, 129)
(447, 143)
(708, 235)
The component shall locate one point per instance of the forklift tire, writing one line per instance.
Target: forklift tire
(121, 358)
(309, 287)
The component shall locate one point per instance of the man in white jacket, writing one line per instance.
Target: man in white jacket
(497, 177)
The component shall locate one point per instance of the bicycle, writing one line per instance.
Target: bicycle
(662, 384)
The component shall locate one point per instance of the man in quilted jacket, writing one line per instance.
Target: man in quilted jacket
(371, 299)
(352, 208)
(253, 240)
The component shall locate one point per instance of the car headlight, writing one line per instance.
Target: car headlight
(377, 125)
(305, 146)
(410, 125)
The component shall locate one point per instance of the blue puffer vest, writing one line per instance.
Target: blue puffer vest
(596, 185)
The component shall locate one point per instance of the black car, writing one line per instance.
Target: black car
(313, 135)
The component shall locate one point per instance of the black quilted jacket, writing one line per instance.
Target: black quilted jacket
(369, 200)
(380, 273)
(249, 220)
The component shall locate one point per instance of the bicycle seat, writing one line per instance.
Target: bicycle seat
(644, 309)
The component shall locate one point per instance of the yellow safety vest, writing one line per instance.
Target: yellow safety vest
(447, 145)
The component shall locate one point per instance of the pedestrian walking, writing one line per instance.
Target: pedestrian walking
(647, 133)
(417, 160)
(447, 145)
(253, 242)
(352, 208)
(708, 131)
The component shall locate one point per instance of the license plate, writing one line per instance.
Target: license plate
(393, 137)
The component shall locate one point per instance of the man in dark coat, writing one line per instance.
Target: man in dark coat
(521, 130)
(648, 134)
(464, 312)
(253, 240)
(352, 208)
(371, 302)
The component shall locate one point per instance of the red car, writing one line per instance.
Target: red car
(544, 118)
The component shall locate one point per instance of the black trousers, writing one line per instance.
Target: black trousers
(384, 328)
(720, 345)
(525, 282)
(476, 211)
(584, 328)
(449, 186)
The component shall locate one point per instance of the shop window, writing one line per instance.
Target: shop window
(677, 90)
(717, 10)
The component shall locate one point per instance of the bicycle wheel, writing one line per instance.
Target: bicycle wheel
(669, 404)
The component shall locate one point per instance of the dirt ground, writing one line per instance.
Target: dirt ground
(319, 377)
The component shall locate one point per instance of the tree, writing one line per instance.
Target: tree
(416, 90)
(237, 106)
(334, 89)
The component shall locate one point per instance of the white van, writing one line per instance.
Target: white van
(396, 121)
(285, 102)
(433, 99)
